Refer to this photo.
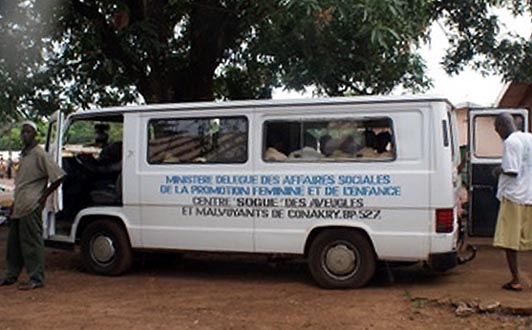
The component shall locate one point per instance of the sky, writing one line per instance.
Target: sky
(468, 86)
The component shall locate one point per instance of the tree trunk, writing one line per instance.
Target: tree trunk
(212, 29)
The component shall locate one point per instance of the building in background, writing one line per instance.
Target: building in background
(516, 95)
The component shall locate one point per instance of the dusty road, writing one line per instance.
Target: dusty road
(167, 292)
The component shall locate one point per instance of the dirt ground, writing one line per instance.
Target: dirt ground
(213, 292)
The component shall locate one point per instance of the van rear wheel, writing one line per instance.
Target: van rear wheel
(105, 248)
(341, 259)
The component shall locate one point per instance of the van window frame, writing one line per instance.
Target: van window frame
(328, 160)
(208, 117)
(475, 137)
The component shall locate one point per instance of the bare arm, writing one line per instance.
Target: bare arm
(498, 171)
(50, 189)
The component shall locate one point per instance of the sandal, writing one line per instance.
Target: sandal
(512, 286)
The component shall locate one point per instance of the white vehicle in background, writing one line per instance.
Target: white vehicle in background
(343, 182)
(6, 200)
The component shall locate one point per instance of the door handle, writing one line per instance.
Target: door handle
(482, 186)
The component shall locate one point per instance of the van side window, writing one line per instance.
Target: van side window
(90, 137)
(486, 141)
(219, 140)
(326, 140)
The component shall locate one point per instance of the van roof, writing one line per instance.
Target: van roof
(260, 104)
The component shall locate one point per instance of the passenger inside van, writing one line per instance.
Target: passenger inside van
(108, 162)
(308, 151)
(325, 147)
(368, 151)
(103, 174)
(316, 141)
(101, 135)
(275, 147)
(382, 143)
(346, 149)
(92, 160)
(110, 157)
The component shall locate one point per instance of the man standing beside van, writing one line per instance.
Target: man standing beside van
(25, 245)
(513, 231)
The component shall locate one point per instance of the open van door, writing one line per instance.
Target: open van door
(485, 152)
(54, 146)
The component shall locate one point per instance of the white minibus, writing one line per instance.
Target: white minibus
(342, 182)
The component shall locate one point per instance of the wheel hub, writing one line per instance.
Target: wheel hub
(340, 260)
(103, 249)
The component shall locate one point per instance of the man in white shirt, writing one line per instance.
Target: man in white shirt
(513, 231)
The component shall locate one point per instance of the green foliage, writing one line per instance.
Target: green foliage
(82, 132)
(254, 82)
(10, 136)
(77, 54)
(21, 60)
(475, 39)
(10, 139)
(347, 46)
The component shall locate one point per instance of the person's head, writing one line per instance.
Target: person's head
(382, 140)
(309, 140)
(370, 138)
(324, 145)
(275, 140)
(100, 132)
(28, 133)
(505, 125)
(348, 145)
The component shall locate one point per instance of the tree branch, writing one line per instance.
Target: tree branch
(112, 47)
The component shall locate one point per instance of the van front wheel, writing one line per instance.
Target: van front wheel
(341, 259)
(105, 248)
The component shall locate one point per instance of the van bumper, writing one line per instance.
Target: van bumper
(443, 261)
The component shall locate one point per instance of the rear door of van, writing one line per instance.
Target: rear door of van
(485, 152)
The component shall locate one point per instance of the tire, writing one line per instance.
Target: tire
(340, 259)
(105, 248)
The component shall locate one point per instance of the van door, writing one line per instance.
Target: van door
(195, 171)
(54, 203)
(485, 152)
(321, 166)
